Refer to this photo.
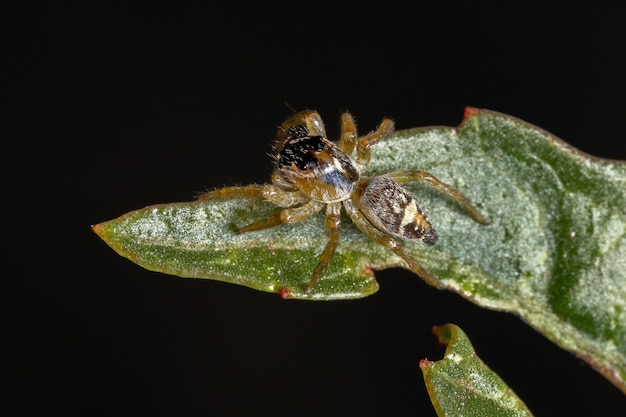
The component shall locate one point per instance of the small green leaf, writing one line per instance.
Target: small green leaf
(462, 385)
(554, 253)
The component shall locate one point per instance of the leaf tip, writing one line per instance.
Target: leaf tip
(103, 231)
(97, 229)
(444, 333)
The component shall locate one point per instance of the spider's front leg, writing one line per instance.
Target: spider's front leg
(288, 215)
(252, 190)
(275, 195)
(333, 225)
(418, 175)
(364, 145)
(348, 136)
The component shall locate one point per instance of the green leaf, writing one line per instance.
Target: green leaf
(554, 253)
(462, 385)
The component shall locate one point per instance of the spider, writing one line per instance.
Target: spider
(312, 173)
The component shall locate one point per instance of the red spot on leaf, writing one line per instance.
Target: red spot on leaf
(284, 293)
(469, 111)
(425, 364)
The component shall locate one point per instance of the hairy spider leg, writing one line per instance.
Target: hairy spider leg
(364, 145)
(419, 175)
(269, 192)
(290, 214)
(348, 136)
(252, 190)
(333, 226)
(281, 198)
(299, 214)
(352, 209)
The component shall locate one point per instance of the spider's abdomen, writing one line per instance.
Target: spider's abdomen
(390, 208)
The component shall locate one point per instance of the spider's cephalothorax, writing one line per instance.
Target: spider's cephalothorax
(312, 163)
(312, 173)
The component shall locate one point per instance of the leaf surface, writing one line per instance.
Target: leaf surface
(554, 253)
(462, 385)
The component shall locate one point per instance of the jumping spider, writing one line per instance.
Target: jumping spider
(311, 173)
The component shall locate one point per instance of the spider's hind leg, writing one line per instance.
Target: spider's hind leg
(419, 175)
(384, 239)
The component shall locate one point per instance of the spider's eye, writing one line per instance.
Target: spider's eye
(308, 165)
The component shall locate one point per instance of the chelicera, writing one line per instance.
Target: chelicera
(313, 173)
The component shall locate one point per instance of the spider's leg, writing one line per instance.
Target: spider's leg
(364, 145)
(275, 195)
(269, 192)
(384, 239)
(418, 175)
(288, 215)
(348, 137)
(333, 225)
(252, 190)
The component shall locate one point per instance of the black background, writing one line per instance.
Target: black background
(118, 106)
